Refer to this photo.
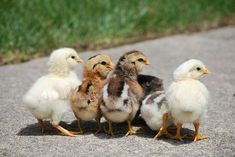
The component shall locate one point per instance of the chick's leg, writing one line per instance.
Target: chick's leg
(99, 125)
(79, 130)
(130, 130)
(163, 129)
(63, 131)
(110, 131)
(197, 136)
(79, 127)
(43, 126)
(178, 136)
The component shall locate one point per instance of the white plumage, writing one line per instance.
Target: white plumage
(187, 97)
(123, 111)
(187, 101)
(152, 112)
(48, 98)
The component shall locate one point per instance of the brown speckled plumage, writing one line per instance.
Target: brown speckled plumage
(85, 99)
(123, 93)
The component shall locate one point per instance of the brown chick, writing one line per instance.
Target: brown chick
(122, 93)
(85, 99)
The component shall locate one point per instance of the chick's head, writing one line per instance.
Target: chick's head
(132, 62)
(63, 59)
(150, 83)
(100, 64)
(191, 69)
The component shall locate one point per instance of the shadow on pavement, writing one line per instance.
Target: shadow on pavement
(144, 132)
(90, 127)
(35, 130)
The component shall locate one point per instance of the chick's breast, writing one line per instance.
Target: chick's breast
(116, 104)
(187, 100)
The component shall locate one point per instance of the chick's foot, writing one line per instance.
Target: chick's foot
(177, 137)
(110, 130)
(130, 130)
(197, 136)
(64, 131)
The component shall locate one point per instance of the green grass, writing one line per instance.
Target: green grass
(32, 27)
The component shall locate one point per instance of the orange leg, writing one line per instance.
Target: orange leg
(130, 130)
(64, 131)
(43, 126)
(163, 129)
(196, 134)
(177, 136)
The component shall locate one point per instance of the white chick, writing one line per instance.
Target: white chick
(187, 97)
(48, 98)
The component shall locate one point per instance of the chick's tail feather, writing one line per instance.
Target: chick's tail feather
(30, 102)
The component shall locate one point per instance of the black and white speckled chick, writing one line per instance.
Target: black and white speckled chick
(153, 105)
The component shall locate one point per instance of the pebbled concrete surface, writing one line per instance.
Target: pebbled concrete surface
(20, 134)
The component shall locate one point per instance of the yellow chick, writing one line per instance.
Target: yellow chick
(187, 97)
(49, 97)
(85, 99)
(122, 93)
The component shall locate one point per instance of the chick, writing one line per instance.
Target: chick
(122, 93)
(154, 105)
(48, 98)
(85, 99)
(187, 97)
(150, 84)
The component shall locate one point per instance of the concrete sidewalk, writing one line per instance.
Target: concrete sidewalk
(20, 134)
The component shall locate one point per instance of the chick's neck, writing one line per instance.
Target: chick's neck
(59, 71)
(127, 73)
(186, 79)
(96, 79)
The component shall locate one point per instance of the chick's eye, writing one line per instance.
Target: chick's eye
(140, 59)
(73, 57)
(148, 84)
(103, 63)
(198, 68)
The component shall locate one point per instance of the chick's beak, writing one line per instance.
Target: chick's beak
(111, 66)
(206, 71)
(79, 60)
(147, 62)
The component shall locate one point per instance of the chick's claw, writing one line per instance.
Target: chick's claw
(109, 131)
(199, 137)
(177, 138)
(76, 132)
(64, 131)
(100, 129)
(161, 133)
(130, 132)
